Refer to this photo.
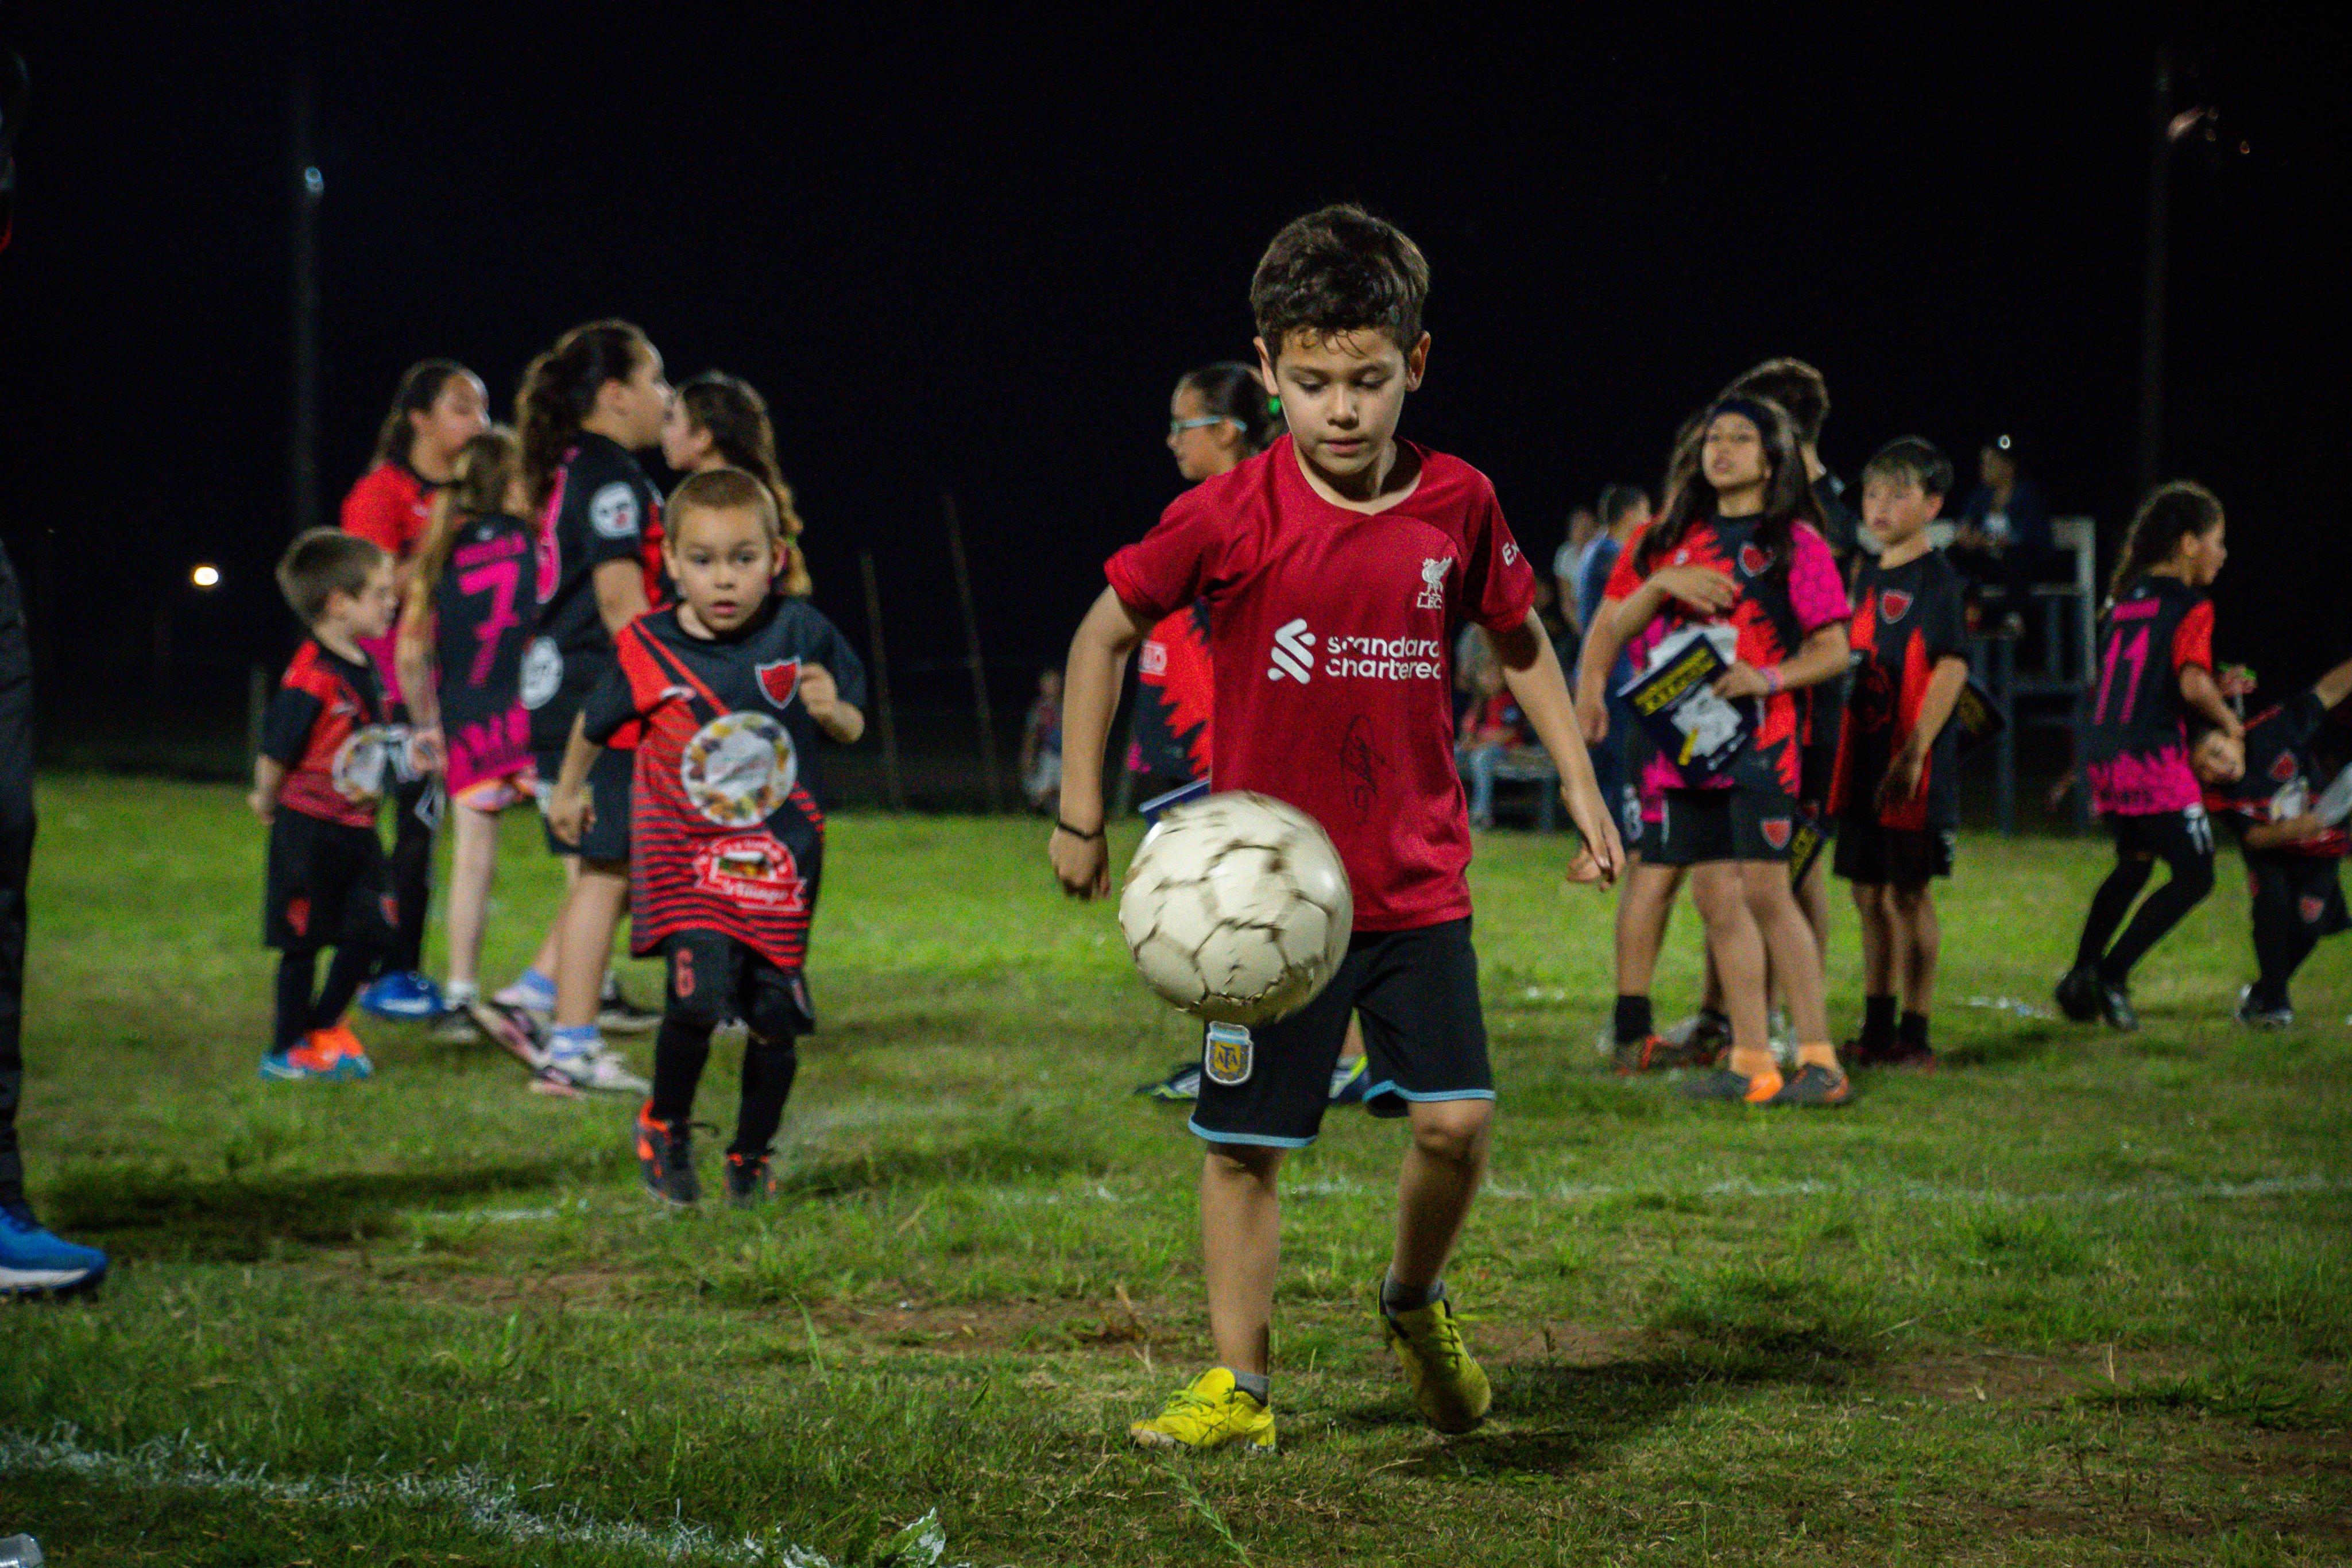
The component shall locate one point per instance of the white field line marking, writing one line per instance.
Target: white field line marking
(486, 1503)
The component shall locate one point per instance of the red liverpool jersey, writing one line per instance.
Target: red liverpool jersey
(727, 834)
(1330, 633)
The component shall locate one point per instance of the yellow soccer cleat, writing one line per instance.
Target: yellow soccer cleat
(1210, 1414)
(1449, 1387)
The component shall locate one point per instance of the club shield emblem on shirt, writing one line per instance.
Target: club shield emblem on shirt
(2283, 767)
(2311, 908)
(780, 679)
(1754, 561)
(1433, 583)
(1229, 1055)
(1777, 830)
(1894, 604)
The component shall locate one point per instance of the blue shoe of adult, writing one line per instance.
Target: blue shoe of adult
(408, 994)
(35, 1263)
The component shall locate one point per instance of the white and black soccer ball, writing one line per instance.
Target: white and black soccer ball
(1237, 909)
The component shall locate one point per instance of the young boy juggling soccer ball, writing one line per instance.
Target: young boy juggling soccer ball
(732, 685)
(325, 751)
(1337, 567)
(1895, 788)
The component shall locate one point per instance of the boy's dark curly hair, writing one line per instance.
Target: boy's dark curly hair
(1340, 270)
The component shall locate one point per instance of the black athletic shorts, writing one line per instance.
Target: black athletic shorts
(1703, 826)
(1868, 852)
(609, 781)
(2171, 836)
(329, 886)
(713, 977)
(2305, 887)
(1425, 1039)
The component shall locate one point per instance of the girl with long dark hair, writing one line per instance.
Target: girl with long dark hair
(440, 406)
(719, 421)
(2156, 673)
(1739, 548)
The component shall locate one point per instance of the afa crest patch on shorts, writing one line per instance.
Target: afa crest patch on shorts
(1229, 1056)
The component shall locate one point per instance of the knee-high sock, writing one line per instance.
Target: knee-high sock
(2108, 907)
(296, 973)
(2183, 891)
(768, 1069)
(350, 967)
(679, 1052)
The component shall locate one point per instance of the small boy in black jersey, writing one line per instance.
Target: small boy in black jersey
(731, 686)
(2291, 853)
(1895, 787)
(325, 748)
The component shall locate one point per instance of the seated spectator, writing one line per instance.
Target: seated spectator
(1492, 729)
(1041, 745)
(2003, 543)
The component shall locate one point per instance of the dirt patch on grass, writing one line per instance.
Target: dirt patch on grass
(2012, 1378)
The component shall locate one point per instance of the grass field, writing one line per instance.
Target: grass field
(2077, 1299)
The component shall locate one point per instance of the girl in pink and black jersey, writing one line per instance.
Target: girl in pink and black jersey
(2156, 671)
(464, 618)
(1739, 547)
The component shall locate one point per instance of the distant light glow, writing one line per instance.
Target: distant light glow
(205, 575)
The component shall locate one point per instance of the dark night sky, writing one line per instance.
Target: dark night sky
(977, 257)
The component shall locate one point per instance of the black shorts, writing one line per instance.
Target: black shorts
(1868, 852)
(1425, 1039)
(713, 977)
(1701, 826)
(2172, 836)
(329, 886)
(2303, 888)
(609, 781)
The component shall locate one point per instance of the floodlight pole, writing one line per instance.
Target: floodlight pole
(888, 716)
(971, 652)
(302, 428)
(2151, 323)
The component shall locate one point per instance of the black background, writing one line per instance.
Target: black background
(975, 256)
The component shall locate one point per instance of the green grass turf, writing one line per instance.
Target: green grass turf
(2076, 1299)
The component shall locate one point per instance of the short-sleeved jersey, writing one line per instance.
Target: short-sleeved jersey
(727, 830)
(1780, 605)
(1175, 694)
(2136, 751)
(602, 509)
(390, 507)
(1907, 620)
(2279, 781)
(1329, 633)
(481, 615)
(326, 728)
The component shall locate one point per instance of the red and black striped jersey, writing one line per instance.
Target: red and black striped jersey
(1906, 619)
(2278, 782)
(602, 509)
(726, 825)
(2136, 751)
(326, 728)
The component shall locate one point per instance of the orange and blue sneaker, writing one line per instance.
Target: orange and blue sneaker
(751, 1179)
(311, 1062)
(1723, 1083)
(350, 1054)
(666, 1158)
(1209, 1413)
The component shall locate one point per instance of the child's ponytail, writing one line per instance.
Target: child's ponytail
(2171, 513)
(559, 391)
(477, 487)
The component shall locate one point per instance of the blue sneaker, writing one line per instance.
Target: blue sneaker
(35, 1263)
(408, 994)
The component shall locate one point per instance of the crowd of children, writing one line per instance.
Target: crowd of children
(518, 615)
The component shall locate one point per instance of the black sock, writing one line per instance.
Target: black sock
(2165, 908)
(2281, 941)
(1395, 1298)
(2108, 907)
(1877, 1018)
(679, 1052)
(296, 972)
(1258, 1385)
(345, 972)
(1914, 1030)
(768, 1069)
(1632, 1021)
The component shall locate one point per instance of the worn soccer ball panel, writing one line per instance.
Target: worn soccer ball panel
(1236, 908)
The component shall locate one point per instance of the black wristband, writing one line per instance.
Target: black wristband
(1061, 826)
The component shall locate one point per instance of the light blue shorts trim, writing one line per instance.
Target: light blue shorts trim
(1263, 1141)
(1426, 1096)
